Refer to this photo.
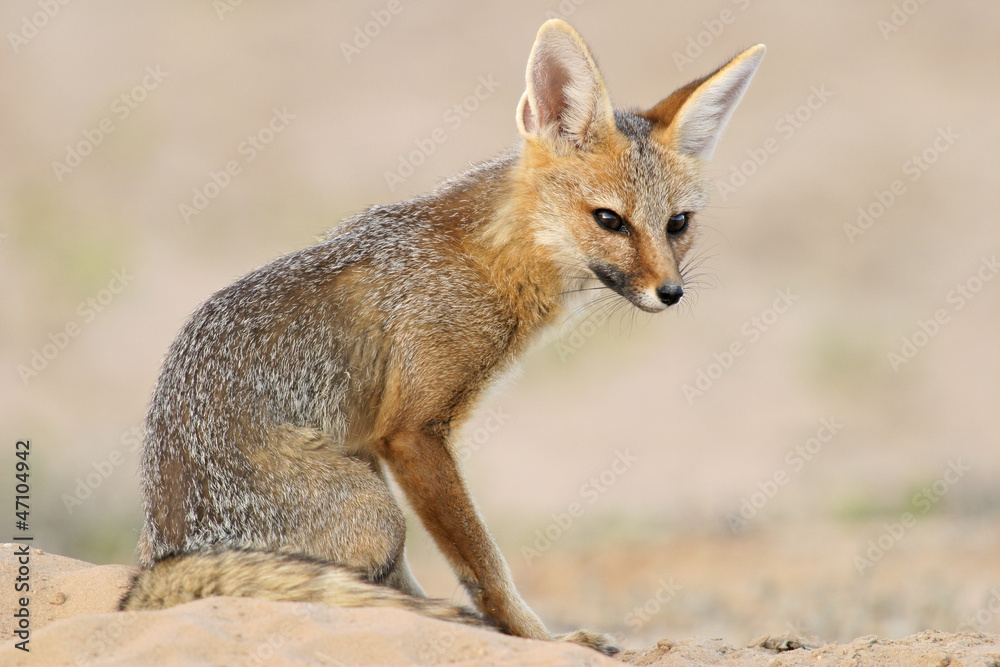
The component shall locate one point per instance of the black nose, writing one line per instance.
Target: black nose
(670, 293)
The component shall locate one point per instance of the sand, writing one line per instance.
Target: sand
(74, 621)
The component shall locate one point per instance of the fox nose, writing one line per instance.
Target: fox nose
(669, 293)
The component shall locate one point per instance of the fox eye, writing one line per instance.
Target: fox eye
(678, 223)
(610, 220)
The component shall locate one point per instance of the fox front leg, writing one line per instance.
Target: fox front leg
(426, 469)
(428, 473)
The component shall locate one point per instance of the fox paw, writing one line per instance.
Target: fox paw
(594, 640)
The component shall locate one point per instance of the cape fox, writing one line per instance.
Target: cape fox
(287, 396)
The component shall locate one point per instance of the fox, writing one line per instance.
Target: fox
(290, 397)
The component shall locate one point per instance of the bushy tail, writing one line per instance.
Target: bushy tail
(269, 575)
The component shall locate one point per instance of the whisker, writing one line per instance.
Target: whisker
(582, 289)
(589, 304)
(598, 306)
(695, 280)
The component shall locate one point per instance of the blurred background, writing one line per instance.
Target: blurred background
(808, 444)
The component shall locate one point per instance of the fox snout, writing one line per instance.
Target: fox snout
(650, 300)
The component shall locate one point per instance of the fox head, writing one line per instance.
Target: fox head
(614, 193)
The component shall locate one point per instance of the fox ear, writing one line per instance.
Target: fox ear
(691, 120)
(565, 102)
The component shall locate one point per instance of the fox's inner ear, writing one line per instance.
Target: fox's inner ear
(565, 102)
(691, 120)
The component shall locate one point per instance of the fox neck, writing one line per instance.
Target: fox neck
(492, 201)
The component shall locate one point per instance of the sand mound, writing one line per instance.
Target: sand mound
(73, 622)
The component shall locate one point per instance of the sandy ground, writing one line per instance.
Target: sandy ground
(74, 621)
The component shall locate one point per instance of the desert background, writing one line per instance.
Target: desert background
(836, 477)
